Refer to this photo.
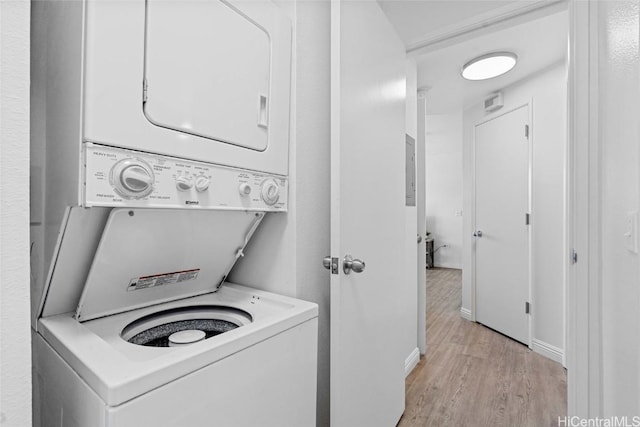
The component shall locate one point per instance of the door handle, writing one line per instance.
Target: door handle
(419, 238)
(349, 264)
(477, 233)
(326, 262)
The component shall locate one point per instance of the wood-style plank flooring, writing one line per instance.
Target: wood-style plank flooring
(474, 376)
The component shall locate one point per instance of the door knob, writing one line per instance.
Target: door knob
(326, 262)
(477, 233)
(419, 238)
(349, 264)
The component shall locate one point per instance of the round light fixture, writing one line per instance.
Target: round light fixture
(489, 66)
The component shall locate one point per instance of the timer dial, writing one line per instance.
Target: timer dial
(132, 178)
(270, 192)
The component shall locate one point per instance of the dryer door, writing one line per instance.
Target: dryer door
(208, 70)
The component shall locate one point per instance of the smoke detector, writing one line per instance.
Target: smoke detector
(493, 102)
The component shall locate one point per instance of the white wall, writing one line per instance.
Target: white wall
(15, 329)
(444, 187)
(619, 118)
(312, 166)
(547, 92)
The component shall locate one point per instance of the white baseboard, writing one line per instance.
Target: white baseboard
(411, 361)
(454, 266)
(465, 313)
(552, 352)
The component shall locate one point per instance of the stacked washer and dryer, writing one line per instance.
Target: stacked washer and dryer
(167, 134)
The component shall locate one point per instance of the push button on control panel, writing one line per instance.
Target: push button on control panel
(244, 189)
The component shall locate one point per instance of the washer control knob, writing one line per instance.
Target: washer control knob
(270, 192)
(244, 189)
(132, 178)
(184, 183)
(202, 183)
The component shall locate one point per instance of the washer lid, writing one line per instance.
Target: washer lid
(150, 256)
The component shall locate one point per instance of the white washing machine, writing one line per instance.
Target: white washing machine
(167, 129)
(137, 327)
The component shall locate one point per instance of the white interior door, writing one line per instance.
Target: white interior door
(367, 216)
(502, 230)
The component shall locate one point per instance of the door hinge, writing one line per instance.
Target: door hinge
(527, 307)
(574, 256)
(527, 218)
(526, 131)
(145, 86)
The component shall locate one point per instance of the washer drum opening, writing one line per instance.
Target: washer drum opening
(154, 330)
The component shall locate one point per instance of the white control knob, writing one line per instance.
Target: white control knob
(202, 183)
(244, 189)
(184, 183)
(270, 192)
(132, 178)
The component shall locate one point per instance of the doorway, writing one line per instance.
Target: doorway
(454, 111)
(540, 82)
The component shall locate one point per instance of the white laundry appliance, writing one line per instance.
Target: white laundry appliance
(153, 337)
(203, 80)
(167, 133)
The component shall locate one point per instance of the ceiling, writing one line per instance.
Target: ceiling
(419, 20)
(539, 41)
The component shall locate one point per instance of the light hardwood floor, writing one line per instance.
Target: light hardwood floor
(473, 376)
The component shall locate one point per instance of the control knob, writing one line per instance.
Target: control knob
(132, 178)
(183, 183)
(270, 192)
(202, 183)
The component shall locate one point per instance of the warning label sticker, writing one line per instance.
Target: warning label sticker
(145, 282)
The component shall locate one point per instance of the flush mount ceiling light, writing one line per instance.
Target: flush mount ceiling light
(489, 66)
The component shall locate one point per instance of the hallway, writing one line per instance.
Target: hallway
(473, 376)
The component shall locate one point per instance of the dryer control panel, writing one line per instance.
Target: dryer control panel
(120, 178)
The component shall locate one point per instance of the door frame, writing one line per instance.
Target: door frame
(491, 117)
(422, 218)
(583, 234)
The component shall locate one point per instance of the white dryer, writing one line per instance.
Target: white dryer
(155, 103)
(137, 327)
(208, 81)
(202, 80)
